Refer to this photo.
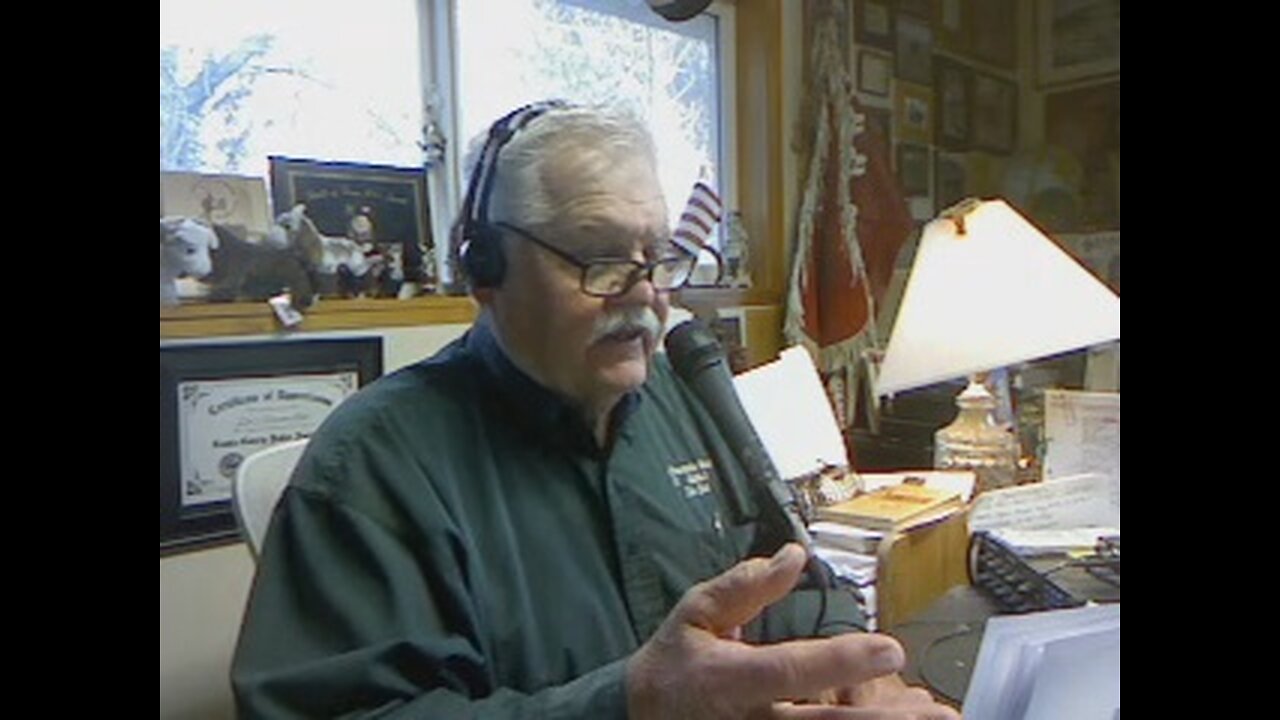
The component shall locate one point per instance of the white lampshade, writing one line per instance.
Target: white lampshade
(999, 294)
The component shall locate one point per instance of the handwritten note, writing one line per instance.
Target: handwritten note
(1082, 435)
(1081, 501)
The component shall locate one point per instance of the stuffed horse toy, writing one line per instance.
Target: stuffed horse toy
(185, 245)
(342, 264)
(246, 270)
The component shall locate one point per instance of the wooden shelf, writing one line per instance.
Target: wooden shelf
(222, 319)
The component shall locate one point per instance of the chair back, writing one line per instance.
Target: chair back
(260, 480)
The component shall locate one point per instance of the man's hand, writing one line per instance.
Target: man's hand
(695, 666)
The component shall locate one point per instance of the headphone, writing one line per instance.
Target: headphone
(481, 245)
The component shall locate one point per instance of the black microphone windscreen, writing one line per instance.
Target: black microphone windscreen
(690, 346)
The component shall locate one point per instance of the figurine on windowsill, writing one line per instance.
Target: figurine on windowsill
(185, 245)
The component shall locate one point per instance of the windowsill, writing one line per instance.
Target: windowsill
(696, 298)
(198, 320)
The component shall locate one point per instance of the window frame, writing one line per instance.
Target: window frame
(439, 49)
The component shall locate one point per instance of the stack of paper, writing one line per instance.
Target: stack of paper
(790, 411)
(854, 567)
(1062, 664)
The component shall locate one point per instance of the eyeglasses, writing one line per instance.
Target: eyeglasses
(610, 277)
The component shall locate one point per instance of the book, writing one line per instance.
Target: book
(893, 508)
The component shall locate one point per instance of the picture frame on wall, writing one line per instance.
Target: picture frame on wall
(914, 55)
(917, 8)
(392, 199)
(995, 108)
(1084, 123)
(993, 37)
(878, 125)
(230, 200)
(873, 24)
(913, 112)
(951, 26)
(914, 168)
(875, 71)
(220, 403)
(953, 109)
(950, 180)
(1076, 39)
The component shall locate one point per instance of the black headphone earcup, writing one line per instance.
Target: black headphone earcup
(482, 257)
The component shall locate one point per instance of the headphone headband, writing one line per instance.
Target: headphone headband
(481, 249)
(500, 133)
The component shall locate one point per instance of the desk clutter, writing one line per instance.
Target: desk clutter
(1063, 579)
(857, 537)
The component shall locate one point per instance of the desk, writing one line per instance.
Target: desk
(942, 642)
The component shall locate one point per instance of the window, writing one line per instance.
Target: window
(244, 79)
(615, 52)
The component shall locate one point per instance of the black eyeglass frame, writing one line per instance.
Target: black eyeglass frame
(639, 270)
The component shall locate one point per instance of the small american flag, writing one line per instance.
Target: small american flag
(701, 215)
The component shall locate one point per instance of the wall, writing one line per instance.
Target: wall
(202, 594)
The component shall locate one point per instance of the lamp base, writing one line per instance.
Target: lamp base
(977, 442)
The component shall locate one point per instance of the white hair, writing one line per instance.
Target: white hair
(599, 137)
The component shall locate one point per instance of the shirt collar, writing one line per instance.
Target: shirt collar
(539, 409)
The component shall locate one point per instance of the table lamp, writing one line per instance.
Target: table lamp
(988, 290)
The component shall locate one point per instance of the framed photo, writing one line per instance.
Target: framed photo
(873, 23)
(874, 72)
(993, 31)
(730, 328)
(913, 111)
(917, 8)
(879, 122)
(950, 178)
(221, 403)
(951, 26)
(954, 88)
(914, 50)
(913, 168)
(390, 202)
(221, 199)
(995, 107)
(1098, 251)
(1084, 122)
(1076, 39)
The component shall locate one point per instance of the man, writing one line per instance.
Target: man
(541, 520)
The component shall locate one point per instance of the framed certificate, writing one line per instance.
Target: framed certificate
(221, 403)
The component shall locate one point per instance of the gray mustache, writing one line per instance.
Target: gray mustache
(626, 321)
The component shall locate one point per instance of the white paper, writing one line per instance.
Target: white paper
(787, 405)
(1082, 435)
(855, 567)
(1010, 660)
(1081, 501)
(1033, 542)
(840, 531)
(960, 481)
(1068, 689)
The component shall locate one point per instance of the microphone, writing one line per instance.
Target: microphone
(698, 359)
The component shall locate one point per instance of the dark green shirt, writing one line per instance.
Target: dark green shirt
(454, 544)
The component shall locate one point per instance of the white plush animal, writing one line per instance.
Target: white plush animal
(184, 252)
